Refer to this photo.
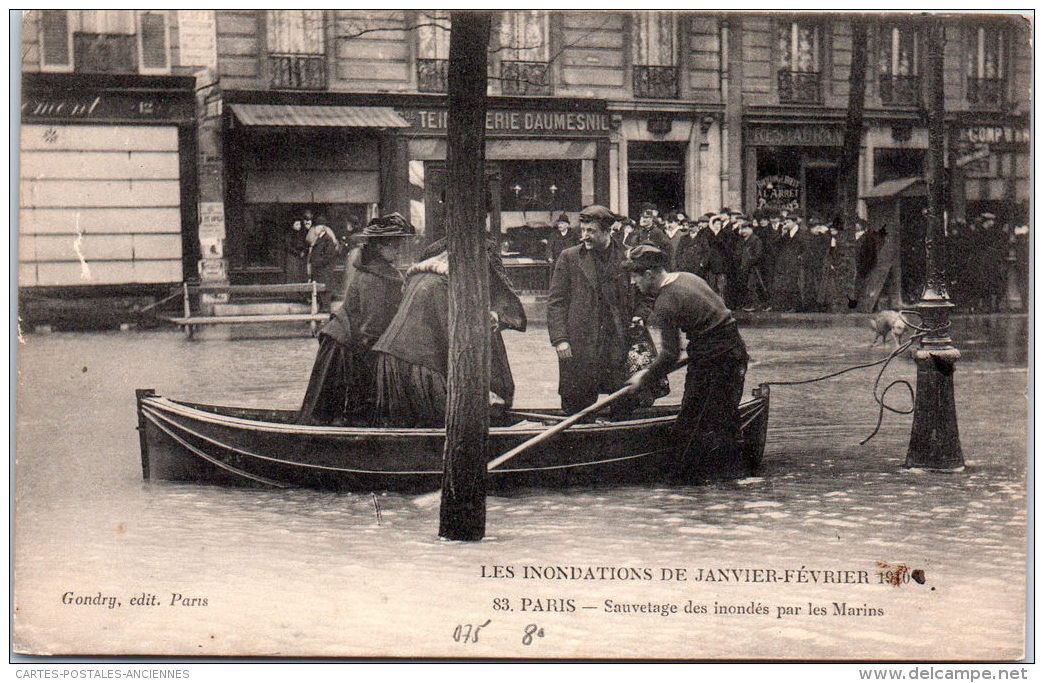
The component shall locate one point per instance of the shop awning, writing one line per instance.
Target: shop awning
(901, 187)
(317, 116)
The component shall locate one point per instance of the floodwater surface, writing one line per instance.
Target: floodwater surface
(577, 573)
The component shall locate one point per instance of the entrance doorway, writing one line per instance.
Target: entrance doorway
(656, 174)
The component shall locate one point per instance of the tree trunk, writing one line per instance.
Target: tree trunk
(849, 175)
(463, 513)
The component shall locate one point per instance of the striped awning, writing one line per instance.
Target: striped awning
(317, 116)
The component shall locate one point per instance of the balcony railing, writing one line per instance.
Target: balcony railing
(986, 91)
(432, 75)
(297, 71)
(524, 78)
(105, 53)
(900, 89)
(656, 81)
(798, 86)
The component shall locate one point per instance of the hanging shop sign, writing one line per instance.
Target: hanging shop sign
(795, 135)
(517, 122)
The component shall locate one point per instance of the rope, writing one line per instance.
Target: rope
(921, 332)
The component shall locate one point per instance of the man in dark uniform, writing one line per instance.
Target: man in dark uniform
(589, 307)
(707, 430)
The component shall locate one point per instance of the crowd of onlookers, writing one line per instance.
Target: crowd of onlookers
(980, 255)
(765, 261)
(776, 261)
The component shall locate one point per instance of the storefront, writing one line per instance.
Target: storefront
(283, 160)
(107, 183)
(793, 167)
(540, 163)
(990, 161)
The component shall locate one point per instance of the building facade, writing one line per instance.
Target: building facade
(344, 112)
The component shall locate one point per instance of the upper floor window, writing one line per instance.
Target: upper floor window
(654, 54)
(799, 45)
(433, 34)
(986, 65)
(296, 49)
(525, 52)
(898, 55)
(104, 41)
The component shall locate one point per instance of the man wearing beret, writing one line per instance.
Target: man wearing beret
(706, 432)
(589, 307)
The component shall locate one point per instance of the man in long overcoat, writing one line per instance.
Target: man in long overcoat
(590, 305)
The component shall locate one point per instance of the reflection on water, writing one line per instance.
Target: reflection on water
(305, 572)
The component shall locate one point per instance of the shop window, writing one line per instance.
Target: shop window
(296, 49)
(654, 54)
(104, 41)
(986, 65)
(798, 46)
(525, 52)
(433, 36)
(895, 164)
(540, 185)
(898, 54)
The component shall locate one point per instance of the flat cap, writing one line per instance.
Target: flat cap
(597, 213)
(644, 257)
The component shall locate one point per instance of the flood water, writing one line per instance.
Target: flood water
(294, 573)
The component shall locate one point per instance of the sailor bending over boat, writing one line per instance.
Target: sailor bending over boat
(342, 381)
(706, 432)
(412, 354)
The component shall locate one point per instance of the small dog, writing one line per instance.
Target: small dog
(887, 323)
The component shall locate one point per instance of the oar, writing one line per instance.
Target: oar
(561, 426)
(429, 498)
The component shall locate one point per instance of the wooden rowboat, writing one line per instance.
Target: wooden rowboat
(222, 445)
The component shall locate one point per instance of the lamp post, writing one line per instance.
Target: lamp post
(934, 440)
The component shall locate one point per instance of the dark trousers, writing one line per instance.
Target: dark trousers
(581, 383)
(707, 431)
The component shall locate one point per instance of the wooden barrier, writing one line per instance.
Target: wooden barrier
(188, 322)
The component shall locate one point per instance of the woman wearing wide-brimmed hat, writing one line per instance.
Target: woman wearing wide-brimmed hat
(342, 384)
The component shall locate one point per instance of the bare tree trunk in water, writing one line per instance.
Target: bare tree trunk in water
(462, 516)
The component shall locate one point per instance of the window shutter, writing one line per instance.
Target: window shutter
(154, 51)
(55, 51)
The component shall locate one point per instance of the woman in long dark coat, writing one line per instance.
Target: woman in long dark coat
(413, 353)
(342, 384)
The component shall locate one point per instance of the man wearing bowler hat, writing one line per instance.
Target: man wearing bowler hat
(706, 432)
(589, 307)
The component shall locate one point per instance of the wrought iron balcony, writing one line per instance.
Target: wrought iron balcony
(105, 53)
(656, 81)
(432, 75)
(987, 91)
(297, 71)
(798, 86)
(900, 89)
(524, 78)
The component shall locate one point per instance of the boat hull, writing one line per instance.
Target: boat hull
(246, 447)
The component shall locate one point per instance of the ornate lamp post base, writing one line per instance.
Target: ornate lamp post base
(934, 441)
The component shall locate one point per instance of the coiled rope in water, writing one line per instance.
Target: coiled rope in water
(919, 333)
